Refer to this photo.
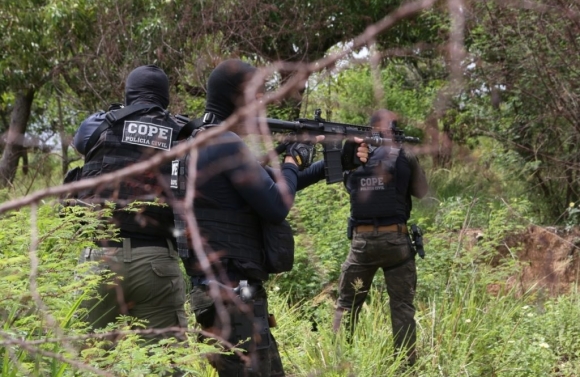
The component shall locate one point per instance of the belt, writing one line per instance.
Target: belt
(399, 228)
(197, 281)
(136, 242)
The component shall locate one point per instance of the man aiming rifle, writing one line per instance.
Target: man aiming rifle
(334, 135)
(380, 206)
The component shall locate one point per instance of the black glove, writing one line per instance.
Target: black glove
(348, 156)
(302, 153)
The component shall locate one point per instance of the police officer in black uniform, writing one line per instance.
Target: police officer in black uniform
(234, 196)
(147, 282)
(380, 200)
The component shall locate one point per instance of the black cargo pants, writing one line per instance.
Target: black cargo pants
(246, 327)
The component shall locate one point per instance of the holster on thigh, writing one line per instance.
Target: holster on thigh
(251, 324)
(261, 324)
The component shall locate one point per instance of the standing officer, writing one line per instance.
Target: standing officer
(380, 199)
(146, 280)
(235, 195)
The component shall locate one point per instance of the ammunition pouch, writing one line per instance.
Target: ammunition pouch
(278, 246)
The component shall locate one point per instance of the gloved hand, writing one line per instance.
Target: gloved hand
(301, 153)
(354, 154)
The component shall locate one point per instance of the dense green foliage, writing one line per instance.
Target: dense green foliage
(500, 151)
(464, 327)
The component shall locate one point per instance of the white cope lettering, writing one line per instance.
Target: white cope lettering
(147, 135)
(149, 130)
(372, 184)
(374, 181)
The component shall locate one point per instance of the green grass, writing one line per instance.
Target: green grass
(466, 332)
(463, 329)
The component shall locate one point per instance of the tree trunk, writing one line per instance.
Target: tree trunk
(15, 139)
(292, 103)
(64, 139)
(439, 147)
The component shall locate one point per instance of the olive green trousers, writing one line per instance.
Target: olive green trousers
(142, 282)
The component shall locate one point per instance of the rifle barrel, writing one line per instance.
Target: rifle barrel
(282, 124)
(411, 140)
(338, 129)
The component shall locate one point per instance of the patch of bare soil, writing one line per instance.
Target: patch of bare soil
(550, 259)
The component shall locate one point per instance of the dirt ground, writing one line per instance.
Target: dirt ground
(550, 259)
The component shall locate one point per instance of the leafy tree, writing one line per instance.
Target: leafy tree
(36, 40)
(523, 90)
(90, 46)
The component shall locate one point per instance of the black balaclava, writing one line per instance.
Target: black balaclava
(225, 86)
(379, 121)
(147, 84)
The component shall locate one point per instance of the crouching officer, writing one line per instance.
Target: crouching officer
(380, 203)
(146, 280)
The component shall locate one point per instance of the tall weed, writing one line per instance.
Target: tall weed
(467, 332)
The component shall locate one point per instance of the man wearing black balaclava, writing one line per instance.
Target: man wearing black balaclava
(380, 206)
(145, 277)
(234, 197)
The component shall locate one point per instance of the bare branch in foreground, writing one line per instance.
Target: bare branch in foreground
(303, 71)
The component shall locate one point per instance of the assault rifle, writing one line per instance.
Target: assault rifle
(334, 135)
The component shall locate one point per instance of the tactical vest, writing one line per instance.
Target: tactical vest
(374, 190)
(124, 142)
(234, 234)
(177, 183)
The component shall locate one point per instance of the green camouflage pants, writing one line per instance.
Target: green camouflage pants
(392, 252)
(146, 283)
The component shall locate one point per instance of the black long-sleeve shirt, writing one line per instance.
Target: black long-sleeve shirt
(230, 178)
(229, 174)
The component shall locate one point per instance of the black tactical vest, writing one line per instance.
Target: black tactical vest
(177, 183)
(234, 234)
(374, 189)
(125, 142)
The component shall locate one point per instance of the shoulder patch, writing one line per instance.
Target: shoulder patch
(147, 134)
(174, 174)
